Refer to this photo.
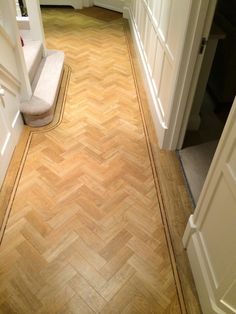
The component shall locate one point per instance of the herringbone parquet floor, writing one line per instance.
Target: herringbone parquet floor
(85, 233)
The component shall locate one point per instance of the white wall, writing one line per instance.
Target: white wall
(76, 4)
(116, 5)
(159, 29)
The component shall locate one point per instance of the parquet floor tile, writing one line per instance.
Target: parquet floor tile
(85, 233)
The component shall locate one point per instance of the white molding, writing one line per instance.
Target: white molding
(189, 231)
(116, 5)
(155, 108)
(80, 4)
(192, 75)
(7, 37)
(18, 11)
(35, 22)
(87, 3)
(4, 73)
(201, 278)
(23, 22)
(126, 12)
(76, 4)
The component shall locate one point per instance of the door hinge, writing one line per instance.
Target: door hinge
(203, 45)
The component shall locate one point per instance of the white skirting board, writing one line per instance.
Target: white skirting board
(115, 5)
(159, 124)
(76, 4)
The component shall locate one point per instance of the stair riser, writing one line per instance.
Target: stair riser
(39, 110)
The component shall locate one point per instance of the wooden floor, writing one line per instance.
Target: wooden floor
(85, 233)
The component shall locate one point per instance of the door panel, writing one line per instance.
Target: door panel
(166, 80)
(156, 9)
(210, 237)
(164, 18)
(176, 26)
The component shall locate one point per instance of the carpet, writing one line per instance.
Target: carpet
(196, 161)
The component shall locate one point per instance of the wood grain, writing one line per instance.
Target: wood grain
(85, 232)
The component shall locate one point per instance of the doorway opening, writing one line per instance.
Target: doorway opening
(215, 92)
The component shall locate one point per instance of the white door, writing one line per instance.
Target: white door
(10, 118)
(115, 5)
(210, 236)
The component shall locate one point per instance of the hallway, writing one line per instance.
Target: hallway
(85, 233)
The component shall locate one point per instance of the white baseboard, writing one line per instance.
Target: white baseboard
(155, 109)
(76, 4)
(79, 4)
(116, 5)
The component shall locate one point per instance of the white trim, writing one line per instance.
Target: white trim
(126, 12)
(187, 100)
(14, 122)
(189, 231)
(168, 123)
(155, 108)
(201, 278)
(114, 6)
(8, 75)
(87, 3)
(23, 22)
(76, 4)
(35, 22)
(189, 60)
(10, 11)
(5, 143)
(6, 36)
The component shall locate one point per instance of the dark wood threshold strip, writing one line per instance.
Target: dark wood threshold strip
(175, 204)
(10, 184)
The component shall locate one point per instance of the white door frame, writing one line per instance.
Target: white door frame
(174, 136)
(192, 90)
